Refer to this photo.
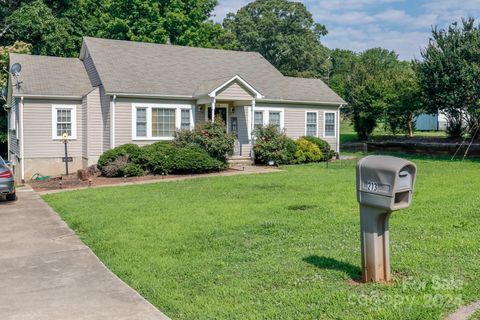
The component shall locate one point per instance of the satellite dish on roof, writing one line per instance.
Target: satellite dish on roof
(15, 68)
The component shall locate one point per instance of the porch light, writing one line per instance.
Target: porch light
(232, 109)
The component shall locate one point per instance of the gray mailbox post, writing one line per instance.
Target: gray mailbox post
(384, 184)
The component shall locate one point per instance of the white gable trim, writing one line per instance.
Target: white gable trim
(257, 94)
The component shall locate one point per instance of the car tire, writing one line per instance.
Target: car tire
(11, 197)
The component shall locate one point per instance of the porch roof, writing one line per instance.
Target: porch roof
(212, 87)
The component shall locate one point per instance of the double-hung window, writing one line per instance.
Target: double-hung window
(274, 118)
(163, 122)
(141, 122)
(258, 121)
(185, 119)
(64, 121)
(159, 122)
(311, 124)
(329, 124)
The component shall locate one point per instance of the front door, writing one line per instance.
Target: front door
(220, 113)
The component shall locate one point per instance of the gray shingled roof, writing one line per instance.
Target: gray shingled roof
(127, 67)
(51, 76)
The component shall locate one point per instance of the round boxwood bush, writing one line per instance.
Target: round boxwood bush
(307, 151)
(194, 160)
(133, 170)
(157, 157)
(323, 145)
(273, 145)
(131, 151)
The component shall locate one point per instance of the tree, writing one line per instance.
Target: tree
(343, 62)
(369, 89)
(406, 102)
(449, 76)
(57, 27)
(284, 32)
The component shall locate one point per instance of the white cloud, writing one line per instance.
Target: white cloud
(400, 25)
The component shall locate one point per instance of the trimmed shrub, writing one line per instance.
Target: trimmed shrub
(116, 167)
(211, 137)
(272, 145)
(157, 157)
(307, 152)
(195, 160)
(324, 146)
(131, 151)
(133, 170)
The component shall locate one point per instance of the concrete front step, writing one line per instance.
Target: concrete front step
(239, 161)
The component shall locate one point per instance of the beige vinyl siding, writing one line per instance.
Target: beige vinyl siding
(123, 117)
(199, 116)
(91, 70)
(14, 142)
(234, 91)
(295, 121)
(38, 125)
(241, 112)
(95, 126)
(84, 128)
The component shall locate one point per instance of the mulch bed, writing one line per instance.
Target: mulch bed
(72, 181)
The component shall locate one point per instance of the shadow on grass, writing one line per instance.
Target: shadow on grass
(352, 271)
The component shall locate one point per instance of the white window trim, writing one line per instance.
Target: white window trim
(306, 113)
(334, 123)
(73, 109)
(266, 115)
(149, 107)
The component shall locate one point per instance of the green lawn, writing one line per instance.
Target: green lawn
(348, 134)
(284, 245)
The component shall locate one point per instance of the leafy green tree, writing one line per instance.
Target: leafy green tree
(284, 32)
(449, 76)
(17, 47)
(406, 101)
(57, 27)
(369, 89)
(343, 62)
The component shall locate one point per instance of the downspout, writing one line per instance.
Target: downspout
(114, 101)
(252, 124)
(338, 128)
(20, 114)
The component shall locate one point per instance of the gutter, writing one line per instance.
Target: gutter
(142, 95)
(329, 103)
(47, 96)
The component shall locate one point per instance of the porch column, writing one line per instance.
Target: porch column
(213, 109)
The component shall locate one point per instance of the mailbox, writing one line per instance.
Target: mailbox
(384, 184)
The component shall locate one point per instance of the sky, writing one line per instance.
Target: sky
(400, 25)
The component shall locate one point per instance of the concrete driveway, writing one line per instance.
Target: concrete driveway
(46, 272)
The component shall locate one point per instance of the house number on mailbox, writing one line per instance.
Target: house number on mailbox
(372, 186)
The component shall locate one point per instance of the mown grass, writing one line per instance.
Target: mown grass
(284, 245)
